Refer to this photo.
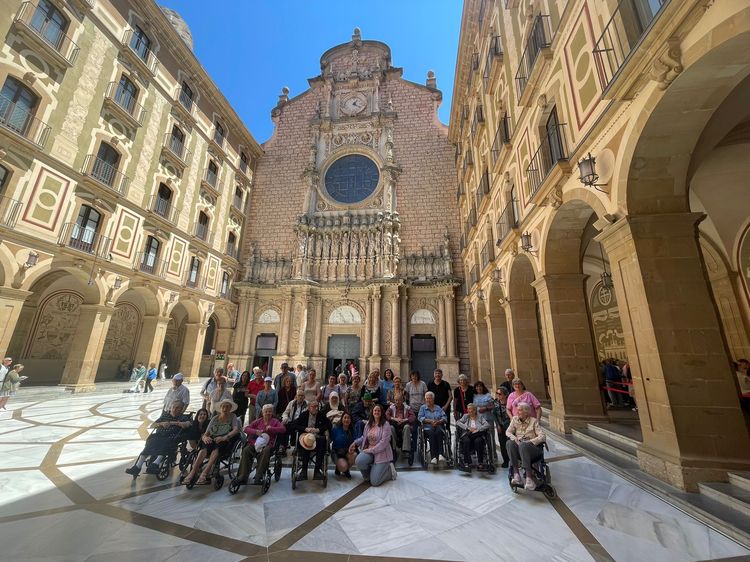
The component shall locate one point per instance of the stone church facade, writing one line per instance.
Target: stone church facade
(351, 248)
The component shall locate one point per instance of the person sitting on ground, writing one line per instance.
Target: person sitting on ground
(253, 388)
(221, 392)
(402, 418)
(286, 394)
(473, 438)
(311, 386)
(375, 458)
(267, 396)
(312, 422)
(463, 395)
(343, 390)
(507, 384)
(11, 382)
(169, 428)
(361, 413)
(433, 417)
(520, 394)
(333, 410)
(196, 430)
(525, 437)
(374, 388)
(342, 436)
(261, 439)
(325, 391)
(355, 391)
(387, 384)
(178, 392)
(217, 441)
(502, 421)
(294, 409)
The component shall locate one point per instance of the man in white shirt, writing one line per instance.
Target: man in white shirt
(178, 393)
(4, 368)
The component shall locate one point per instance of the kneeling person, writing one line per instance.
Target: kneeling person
(164, 440)
(261, 439)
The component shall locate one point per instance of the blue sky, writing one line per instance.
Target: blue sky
(251, 48)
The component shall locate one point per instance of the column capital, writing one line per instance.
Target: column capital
(649, 226)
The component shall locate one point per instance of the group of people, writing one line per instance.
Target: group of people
(361, 424)
(10, 380)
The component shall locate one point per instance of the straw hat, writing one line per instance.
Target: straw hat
(307, 440)
(226, 401)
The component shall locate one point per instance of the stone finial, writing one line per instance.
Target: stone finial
(284, 97)
(357, 35)
(431, 80)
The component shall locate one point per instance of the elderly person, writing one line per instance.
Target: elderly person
(294, 409)
(325, 391)
(398, 388)
(178, 392)
(312, 422)
(373, 386)
(300, 375)
(137, 377)
(286, 394)
(261, 439)
(507, 384)
(233, 374)
(169, 427)
(361, 413)
(4, 368)
(442, 391)
(502, 421)
(525, 438)
(253, 388)
(463, 395)
(333, 410)
(343, 389)
(10, 384)
(342, 436)
(267, 396)
(415, 391)
(375, 458)
(221, 392)
(355, 391)
(433, 420)
(486, 408)
(311, 386)
(475, 431)
(402, 419)
(520, 394)
(217, 441)
(285, 372)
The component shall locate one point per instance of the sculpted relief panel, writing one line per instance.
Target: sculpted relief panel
(122, 333)
(55, 326)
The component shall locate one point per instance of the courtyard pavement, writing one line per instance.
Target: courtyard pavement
(64, 497)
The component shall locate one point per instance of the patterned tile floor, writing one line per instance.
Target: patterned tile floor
(64, 497)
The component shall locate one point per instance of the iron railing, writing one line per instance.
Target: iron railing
(237, 202)
(50, 32)
(478, 119)
(494, 51)
(163, 208)
(19, 120)
(474, 275)
(502, 137)
(126, 101)
(10, 210)
(141, 50)
(186, 101)
(539, 38)
(487, 253)
(177, 147)
(212, 180)
(219, 138)
(244, 167)
(149, 263)
(507, 222)
(468, 160)
(472, 217)
(231, 251)
(194, 282)
(483, 188)
(105, 173)
(85, 240)
(630, 21)
(551, 150)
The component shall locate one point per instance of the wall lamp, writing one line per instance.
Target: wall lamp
(587, 173)
(31, 261)
(118, 283)
(480, 294)
(526, 244)
(498, 276)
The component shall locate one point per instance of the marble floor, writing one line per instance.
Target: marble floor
(64, 497)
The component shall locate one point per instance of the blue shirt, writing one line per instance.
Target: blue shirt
(425, 413)
(340, 439)
(152, 373)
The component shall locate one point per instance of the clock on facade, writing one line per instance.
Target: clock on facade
(354, 104)
(352, 178)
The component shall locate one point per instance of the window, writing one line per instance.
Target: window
(49, 23)
(201, 229)
(84, 231)
(195, 268)
(232, 245)
(17, 106)
(186, 96)
(352, 178)
(243, 162)
(140, 43)
(177, 141)
(126, 94)
(553, 137)
(4, 175)
(224, 284)
(219, 134)
(514, 205)
(212, 173)
(105, 164)
(150, 255)
(163, 201)
(238, 198)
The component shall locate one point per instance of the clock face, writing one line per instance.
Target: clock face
(354, 104)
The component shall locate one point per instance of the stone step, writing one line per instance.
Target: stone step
(603, 433)
(598, 446)
(740, 479)
(728, 494)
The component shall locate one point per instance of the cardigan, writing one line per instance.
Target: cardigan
(381, 450)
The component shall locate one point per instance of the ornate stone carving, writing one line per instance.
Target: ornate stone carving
(422, 316)
(554, 198)
(56, 326)
(122, 333)
(269, 316)
(668, 65)
(345, 315)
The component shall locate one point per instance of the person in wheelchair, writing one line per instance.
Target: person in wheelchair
(293, 411)
(217, 442)
(163, 441)
(472, 433)
(402, 419)
(312, 422)
(525, 444)
(433, 419)
(261, 440)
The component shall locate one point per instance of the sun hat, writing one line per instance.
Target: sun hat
(178, 377)
(307, 440)
(226, 401)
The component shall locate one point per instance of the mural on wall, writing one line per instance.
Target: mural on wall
(605, 319)
(122, 334)
(55, 326)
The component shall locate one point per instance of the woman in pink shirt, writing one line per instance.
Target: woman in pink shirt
(520, 394)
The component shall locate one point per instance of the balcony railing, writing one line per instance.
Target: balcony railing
(105, 174)
(474, 67)
(487, 254)
(237, 202)
(85, 240)
(460, 190)
(212, 181)
(468, 160)
(244, 168)
(141, 51)
(186, 101)
(164, 208)
(478, 120)
(219, 139)
(51, 34)
(474, 275)
(502, 137)
(483, 188)
(126, 101)
(10, 210)
(539, 38)
(507, 221)
(231, 251)
(201, 231)
(629, 23)
(194, 281)
(552, 150)
(472, 217)
(17, 119)
(462, 243)
(495, 51)
(177, 148)
(149, 263)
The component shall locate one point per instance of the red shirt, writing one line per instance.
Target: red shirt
(254, 387)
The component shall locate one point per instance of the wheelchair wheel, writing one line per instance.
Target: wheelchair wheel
(422, 446)
(549, 492)
(190, 483)
(294, 470)
(218, 482)
(164, 470)
(277, 465)
(233, 487)
(266, 482)
(448, 449)
(547, 475)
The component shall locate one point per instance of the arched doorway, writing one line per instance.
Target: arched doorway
(341, 349)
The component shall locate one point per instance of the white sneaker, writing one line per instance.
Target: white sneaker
(530, 485)
(394, 474)
(433, 461)
(441, 458)
(516, 480)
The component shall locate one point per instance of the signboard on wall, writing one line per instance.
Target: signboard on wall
(605, 320)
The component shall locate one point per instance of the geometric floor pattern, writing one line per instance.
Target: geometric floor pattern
(64, 497)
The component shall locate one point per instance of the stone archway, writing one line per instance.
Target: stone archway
(497, 335)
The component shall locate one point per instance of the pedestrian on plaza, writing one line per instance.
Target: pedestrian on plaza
(355, 391)
(374, 388)
(342, 436)
(178, 392)
(138, 376)
(310, 386)
(285, 372)
(210, 386)
(485, 406)
(150, 377)
(343, 390)
(613, 380)
(387, 384)
(163, 369)
(4, 368)
(220, 394)
(325, 391)
(442, 391)
(11, 382)
(300, 375)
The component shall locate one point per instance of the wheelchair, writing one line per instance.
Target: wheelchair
(296, 461)
(178, 455)
(541, 475)
(274, 470)
(229, 462)
(423, 447)
(473, 462)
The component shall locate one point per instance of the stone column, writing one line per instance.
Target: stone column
(86, 347)
(525, 346)
(497, 328)
(395, 332)
(376, 310)
(405, 351)
(450, 323)
(318, 328)
(471, 335)
(192, 350)
(482, 349)
(573, 368)
(442, 344)
(286, 320)
(692, 425)
(11, 303)
(239, 348)
(151, 342)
